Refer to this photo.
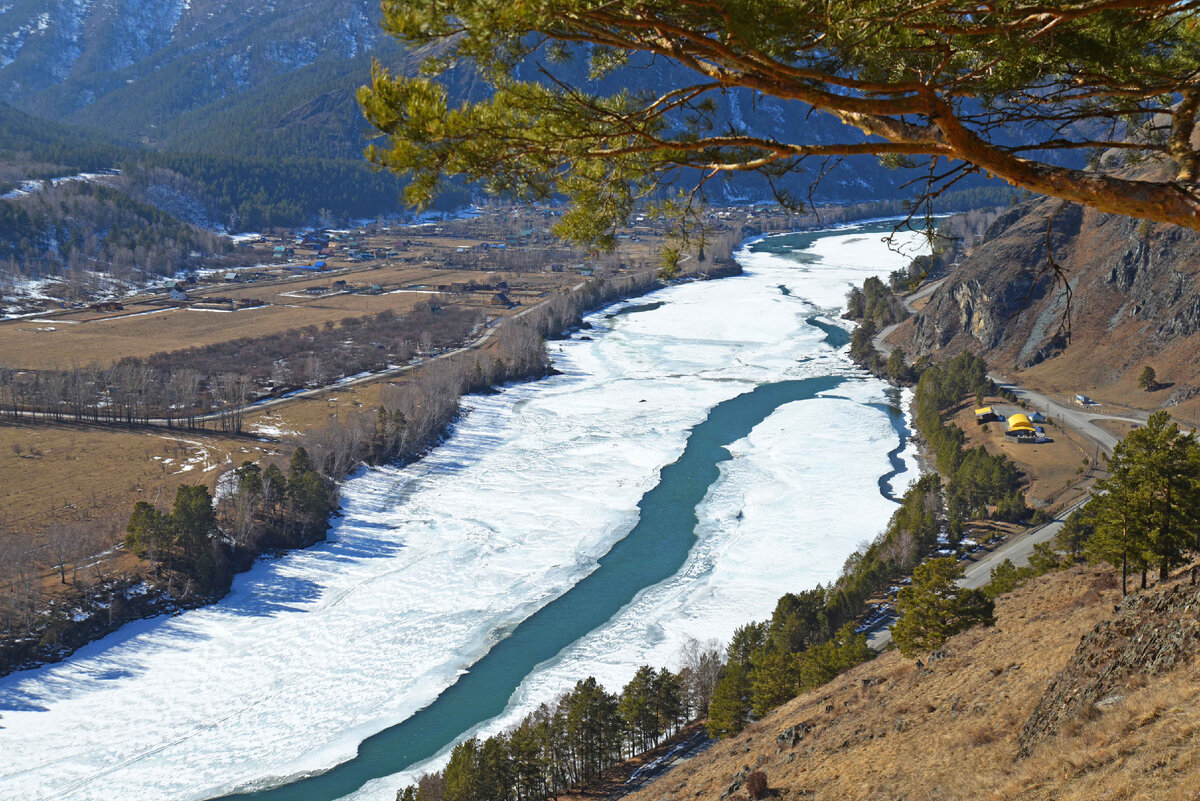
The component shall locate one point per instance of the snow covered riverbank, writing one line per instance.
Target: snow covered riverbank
(434, 562)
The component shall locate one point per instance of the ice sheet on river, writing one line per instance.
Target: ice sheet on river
(314, 651)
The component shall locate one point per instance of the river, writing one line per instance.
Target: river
(704, 450)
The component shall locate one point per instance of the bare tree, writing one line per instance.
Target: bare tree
(700, 669)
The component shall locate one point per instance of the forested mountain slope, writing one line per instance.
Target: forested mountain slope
(136, 64)
(265, 79)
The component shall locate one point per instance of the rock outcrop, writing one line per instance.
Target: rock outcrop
(1047, 276)
(1152, 633)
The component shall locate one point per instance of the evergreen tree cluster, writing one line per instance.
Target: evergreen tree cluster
(251, 194)
(1006, 576)
(270, 510)
(770, 663)
(1146, 512)
(875, 302)
(978, 483)
(183, 544)
(567, 743)
(810, 637)
(197, 546)
(934, 608)
(79, 225)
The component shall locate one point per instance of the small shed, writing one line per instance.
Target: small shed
(985, 414)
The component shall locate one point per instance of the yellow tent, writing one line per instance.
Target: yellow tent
(1019, 422)
(983, 411)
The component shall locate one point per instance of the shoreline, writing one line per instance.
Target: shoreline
(774, 356)
(282, 785)
(617, 303)
(119, 603)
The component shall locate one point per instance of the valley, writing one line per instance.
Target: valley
(460, 400)
(401, 526)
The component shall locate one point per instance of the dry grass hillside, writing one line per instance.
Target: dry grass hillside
(953, 726)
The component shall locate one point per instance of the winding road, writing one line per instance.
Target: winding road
(268, 403)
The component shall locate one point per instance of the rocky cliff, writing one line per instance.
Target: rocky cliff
(1087, 297)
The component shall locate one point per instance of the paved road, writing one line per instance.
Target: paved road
(1080, 420)
(647, 774)
(880, 341)
(1076, 418)
(977, 570)
(258, 406)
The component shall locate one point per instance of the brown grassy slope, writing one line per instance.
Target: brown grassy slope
(949, 729)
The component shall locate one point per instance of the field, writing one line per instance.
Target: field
(147, 325)
(68, 473)
(76, 472)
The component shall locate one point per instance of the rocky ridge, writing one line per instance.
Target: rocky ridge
(1151, 634)
(1074, 295)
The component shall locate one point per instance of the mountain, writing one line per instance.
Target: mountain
(134, 65)
(1069, 300)
(268, 79)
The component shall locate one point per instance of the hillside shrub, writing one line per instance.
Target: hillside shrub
(756, 785)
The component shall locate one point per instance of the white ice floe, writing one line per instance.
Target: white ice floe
(314, 651)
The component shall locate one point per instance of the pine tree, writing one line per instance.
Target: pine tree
(461, 772)
(729, 709)
(150, 534)
(934, 608)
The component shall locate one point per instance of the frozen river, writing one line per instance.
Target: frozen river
(694, 461)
